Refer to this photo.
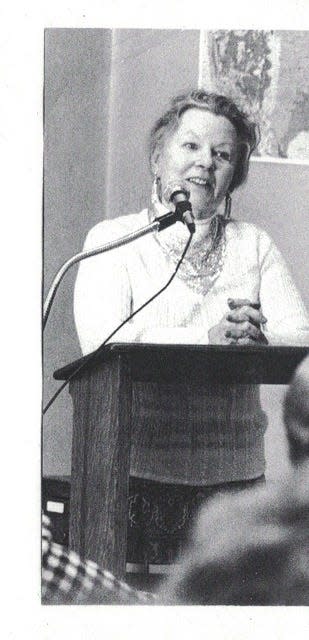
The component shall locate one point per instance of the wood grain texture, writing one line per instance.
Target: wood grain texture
(100, 463)
(102, 400)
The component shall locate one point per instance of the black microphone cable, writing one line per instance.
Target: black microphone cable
(100, 348)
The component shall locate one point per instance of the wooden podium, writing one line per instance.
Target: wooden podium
(102, 404)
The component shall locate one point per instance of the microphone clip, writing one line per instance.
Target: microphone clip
(182, 213)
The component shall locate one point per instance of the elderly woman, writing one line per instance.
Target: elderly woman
(232, 287)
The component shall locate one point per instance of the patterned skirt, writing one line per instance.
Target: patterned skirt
(161, 515)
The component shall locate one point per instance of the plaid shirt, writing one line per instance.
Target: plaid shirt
(66, 579)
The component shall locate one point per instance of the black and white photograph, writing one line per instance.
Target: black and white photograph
(156, 335)
(176, 166)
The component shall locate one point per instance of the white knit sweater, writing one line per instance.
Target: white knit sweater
(202, 439)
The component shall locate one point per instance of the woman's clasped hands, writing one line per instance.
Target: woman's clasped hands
(240, 325)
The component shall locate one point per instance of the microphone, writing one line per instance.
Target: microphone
(175, 192)
(179, 195)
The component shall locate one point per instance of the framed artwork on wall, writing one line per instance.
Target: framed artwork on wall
(267, 74)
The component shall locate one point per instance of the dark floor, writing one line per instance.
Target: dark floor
(144, 582)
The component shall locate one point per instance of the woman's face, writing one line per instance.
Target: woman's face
(201, 154)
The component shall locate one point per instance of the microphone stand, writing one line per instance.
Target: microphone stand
(160, 223)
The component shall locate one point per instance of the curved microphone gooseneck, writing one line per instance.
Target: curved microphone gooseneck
(94, 354)
(183, 213)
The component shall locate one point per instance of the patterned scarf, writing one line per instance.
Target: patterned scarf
(205, 258)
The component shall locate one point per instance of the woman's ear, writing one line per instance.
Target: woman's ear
(154, 167)
(155, 161)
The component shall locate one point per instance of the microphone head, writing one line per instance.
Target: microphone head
(174, 188)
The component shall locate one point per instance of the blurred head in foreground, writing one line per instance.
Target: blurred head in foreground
(296, 413)
(249, 550)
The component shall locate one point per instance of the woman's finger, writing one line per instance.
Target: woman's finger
(243, 330)
(250, 340)
(244, 341)
(235, 303)
(242, 314)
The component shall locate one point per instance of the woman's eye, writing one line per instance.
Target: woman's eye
(225, 156)
(190, 145)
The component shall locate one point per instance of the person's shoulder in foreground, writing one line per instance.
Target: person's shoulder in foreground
(251, 549)
(296, 414)
(67, 579)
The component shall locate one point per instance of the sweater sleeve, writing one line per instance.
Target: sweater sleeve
(103, 298)
(102, 295)
(287, 318)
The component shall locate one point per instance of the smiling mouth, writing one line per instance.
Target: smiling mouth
(200, 182)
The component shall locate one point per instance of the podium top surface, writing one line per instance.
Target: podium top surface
(254, 364)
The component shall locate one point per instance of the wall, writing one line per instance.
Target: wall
(95, 147)
(103, 92)
(149, 66)
(276, 197)
(76, 93)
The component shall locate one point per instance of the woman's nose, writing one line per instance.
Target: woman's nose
(204, 158)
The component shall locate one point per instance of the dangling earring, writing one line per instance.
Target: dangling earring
(228, 206)
(156, 190)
